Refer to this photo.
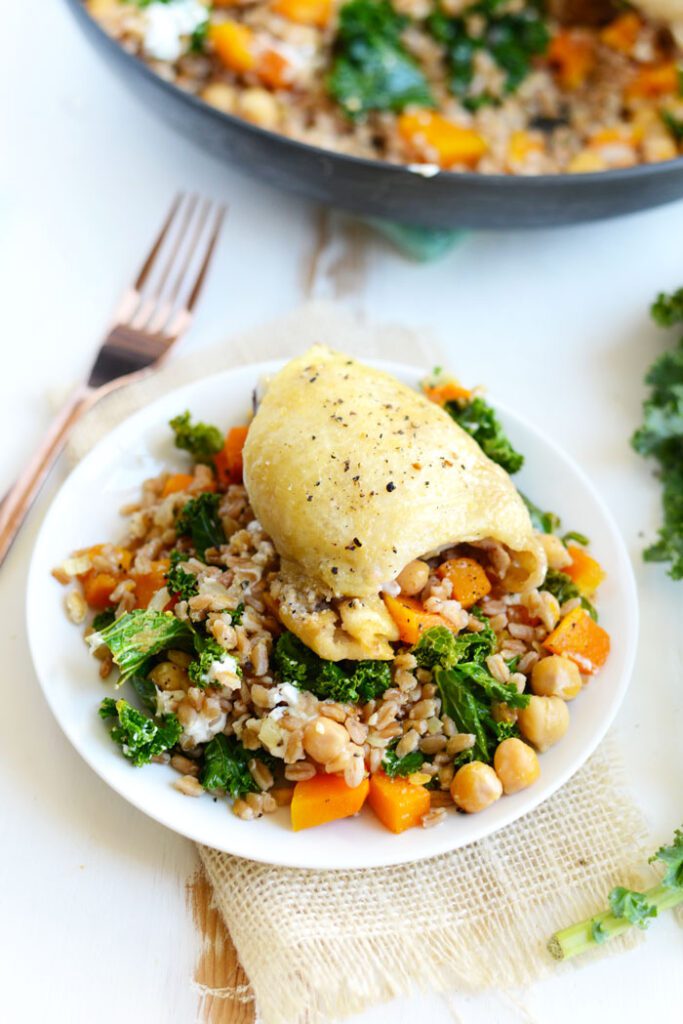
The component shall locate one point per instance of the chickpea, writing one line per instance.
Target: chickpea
(555, 551)
(325, 739)
(516, 765)
(475, 787)
(413, 578)
(544, 721)
(221, 96)
(260, 107)
(168, 676)
(556, 677)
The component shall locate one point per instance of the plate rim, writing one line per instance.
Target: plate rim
(439, 843)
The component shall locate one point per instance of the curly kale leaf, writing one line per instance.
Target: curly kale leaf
(371, 69)
(564, 589)
(226, 767)
(395, 766)
(346, 681)
(511, 38)
(479, 420)
(201, 440)
(661, 437)
(667, 309)
(103, 619)
(146, 691)
(439, 646)
(199, 519)
(672, 857)
(634, 906)
(140, 738)
(138, 635)
(468, 693)
(181, 584)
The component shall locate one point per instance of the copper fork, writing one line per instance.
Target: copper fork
(154, 312)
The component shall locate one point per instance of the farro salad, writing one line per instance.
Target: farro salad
(492, 86)
(293, 628)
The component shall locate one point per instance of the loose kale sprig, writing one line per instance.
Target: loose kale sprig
(345, 681)
(371, 68)
(479, 420)
(199, 519)
(512, 39)
(201, 440)
(661, 436)
(544, 522)
(627, 908)
(140, 738)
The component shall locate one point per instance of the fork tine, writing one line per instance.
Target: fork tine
(182, 258)
(182, 317)
(154, 252)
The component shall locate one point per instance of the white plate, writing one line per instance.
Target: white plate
(85, 512)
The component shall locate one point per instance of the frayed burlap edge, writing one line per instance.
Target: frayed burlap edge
(319, 945)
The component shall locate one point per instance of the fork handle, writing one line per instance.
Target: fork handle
(24, 491)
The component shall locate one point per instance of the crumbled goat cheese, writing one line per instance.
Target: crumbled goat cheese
(167, 23)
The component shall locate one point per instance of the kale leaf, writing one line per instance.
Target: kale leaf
(138, 635)
(103, 619)
(634, 906)
(667, 309)
(672, 857)
(480, 421)
(661, 436)
(511, 38)
(140, 738)
(226, 767)
(201, 440)
(146, 691)
(371, 68)
(199, 519)
(181, 583)
(598, 932)
(564, 589)
(345, 681)
(544, 522)
(394, 765)
(209, 651)
(467, 693)
(439, 646)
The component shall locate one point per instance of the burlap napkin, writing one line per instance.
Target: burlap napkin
(318, 945)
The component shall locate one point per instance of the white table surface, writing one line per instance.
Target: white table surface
(93, 918)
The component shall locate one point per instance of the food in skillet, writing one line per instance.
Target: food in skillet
(494, 86)
(347, 600)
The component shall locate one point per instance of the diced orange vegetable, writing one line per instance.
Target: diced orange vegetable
(521, 146)
(469, 581)
(451, 391)
(431, 137)
(123, 556)
(572, 54)
(581, 639)
(398, 804)
(622, 33)
(584, 570)
(325, 798)
(177, 482)
(305, 12)
(147, 584)
(234, 45)
(653, 80)
(411, 618)
(274, 70)
(228, 462)
(97, 588)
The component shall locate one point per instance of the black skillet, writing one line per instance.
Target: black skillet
(378, 189)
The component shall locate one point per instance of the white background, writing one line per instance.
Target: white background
(93, 920)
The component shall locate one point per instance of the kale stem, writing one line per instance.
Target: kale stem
(581, 937)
